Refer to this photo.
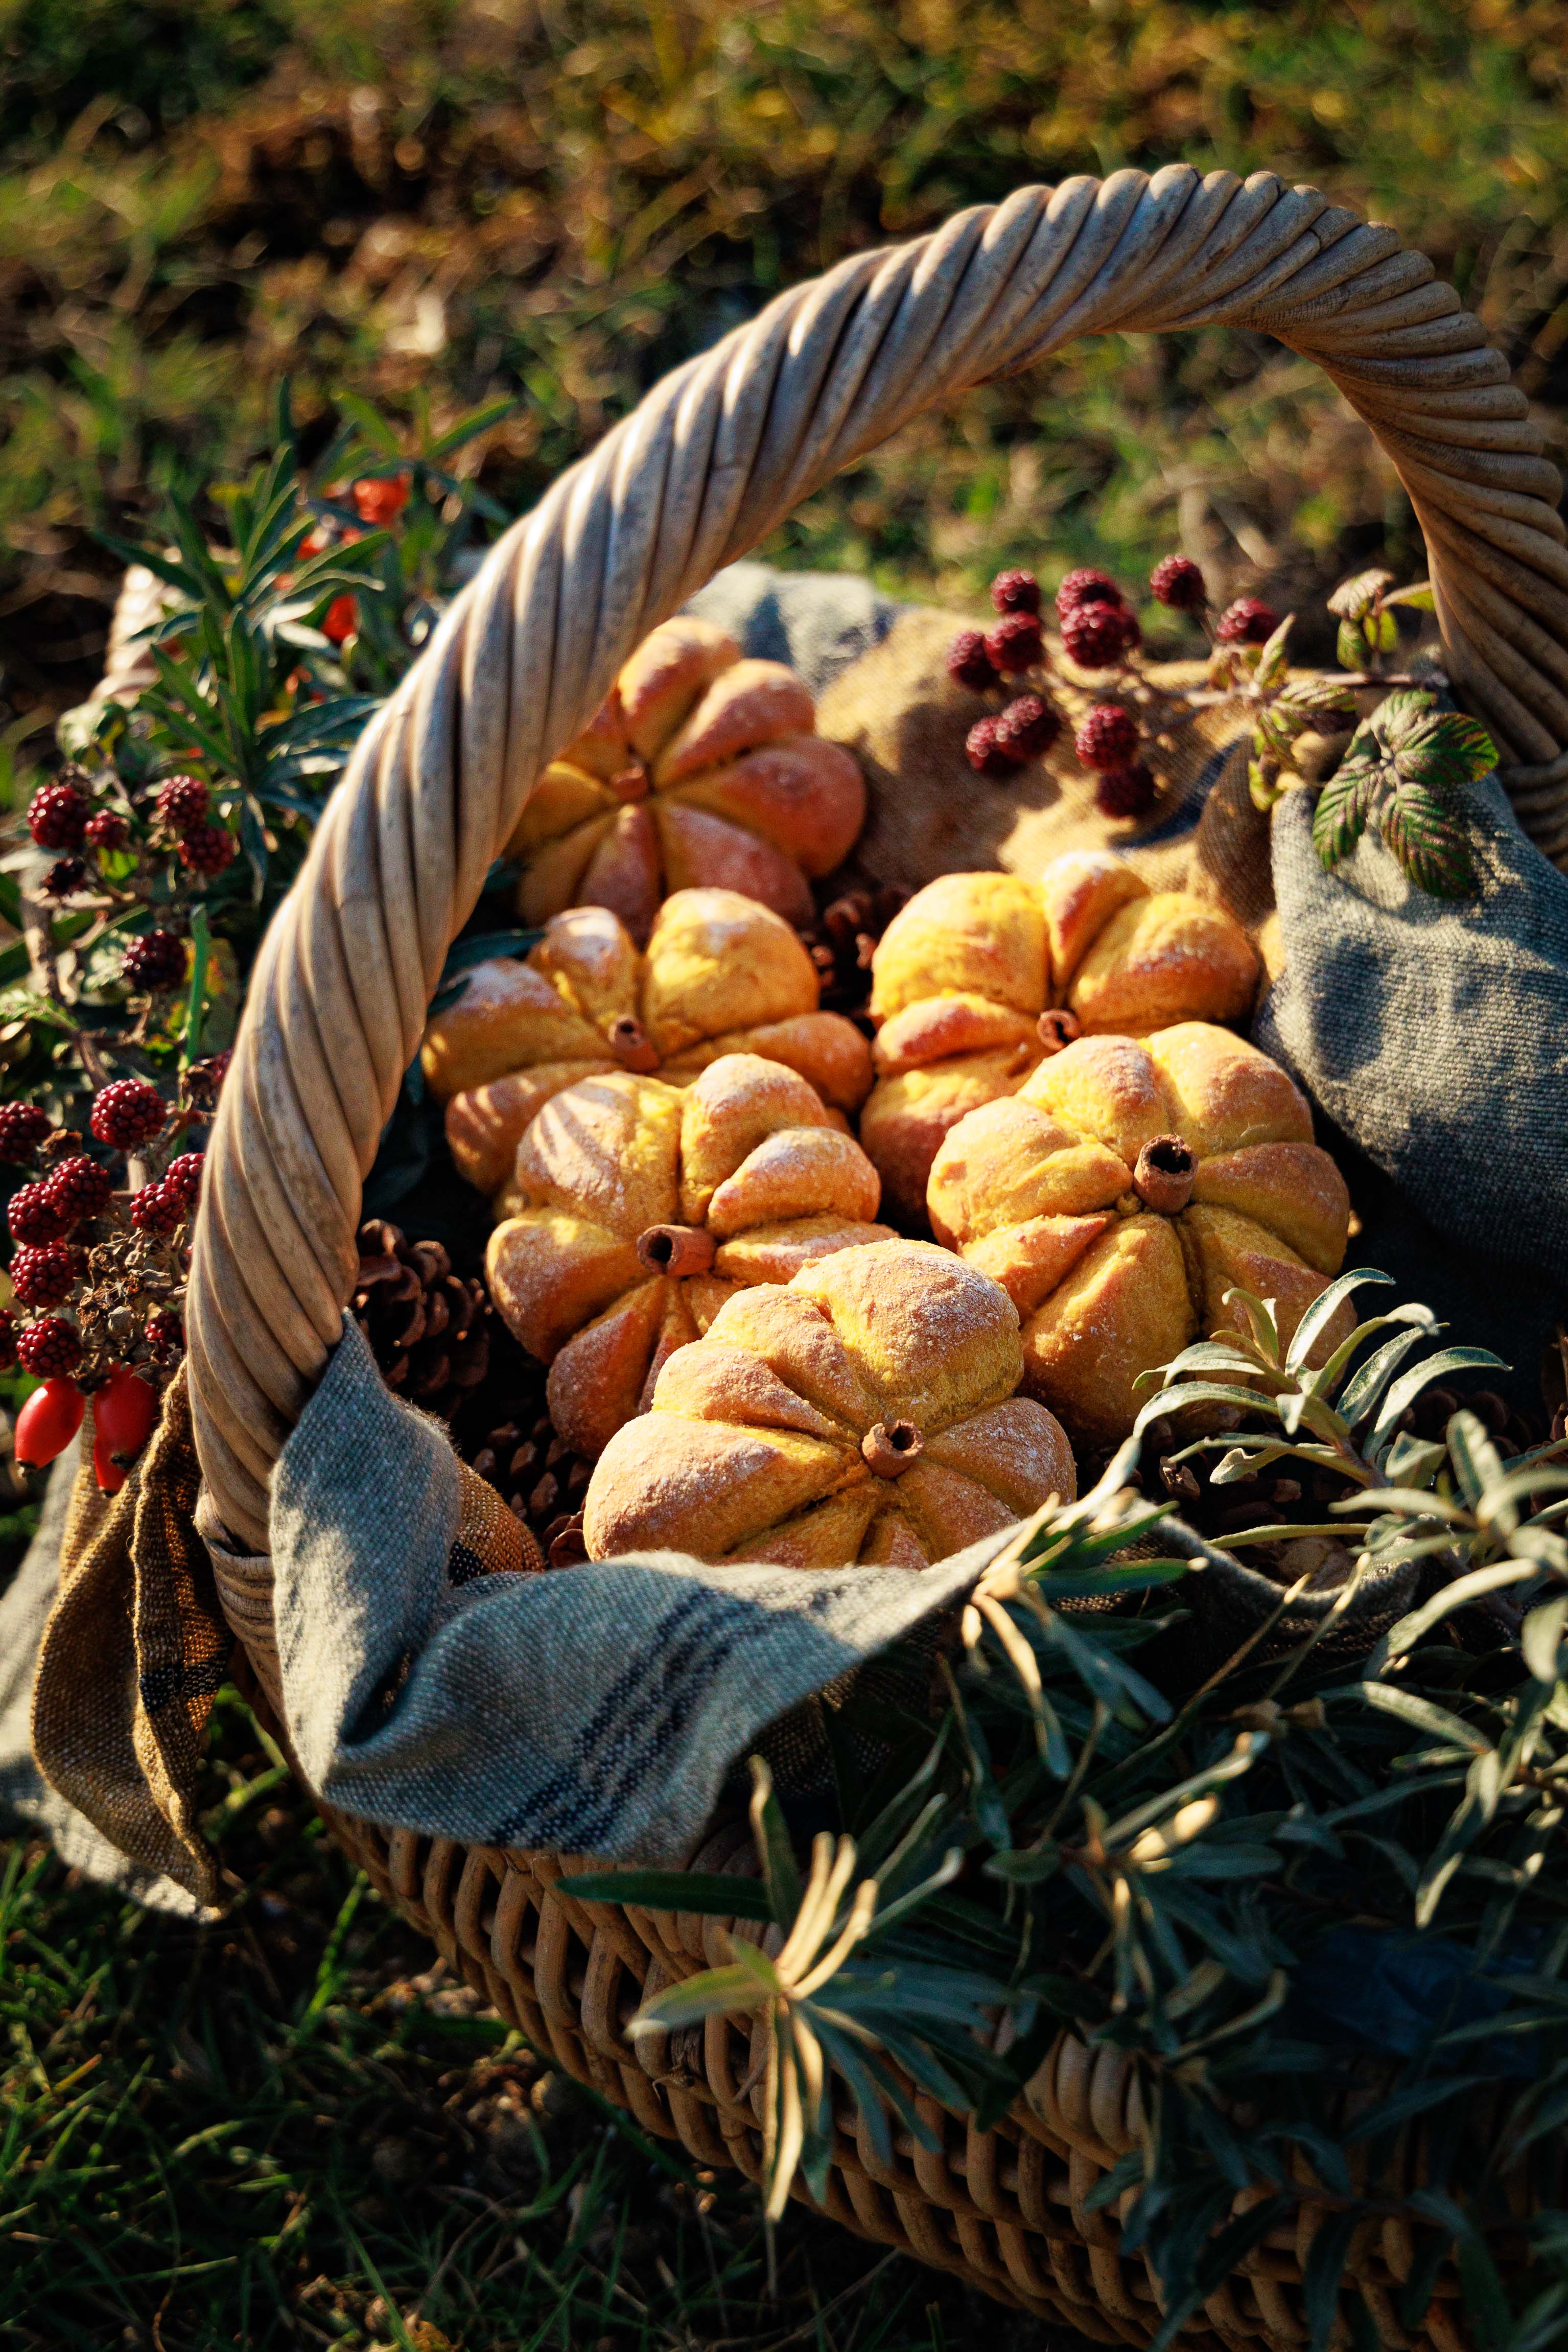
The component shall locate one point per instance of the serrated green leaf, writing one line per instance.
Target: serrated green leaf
(1358, 594)
(1428, 843)
(1418, 598)
(1445, 752)
(1344, 806)
(1352, 649)
(1273, 661)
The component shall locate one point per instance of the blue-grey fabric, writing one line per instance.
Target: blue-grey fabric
(1435, 1036)
(817, 622)
(27, 1800)
(593, 1710)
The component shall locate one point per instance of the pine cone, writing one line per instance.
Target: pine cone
(428, 1329)
(840, 942)
(538, 1477)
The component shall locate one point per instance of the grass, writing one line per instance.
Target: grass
(560, 198)
(289, 2129)
(294, 2129)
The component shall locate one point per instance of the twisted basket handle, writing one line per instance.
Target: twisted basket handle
(714, 456)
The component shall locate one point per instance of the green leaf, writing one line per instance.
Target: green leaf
(780, 1876)
(1418, 598)
(1324, 2270)
(1405, 1389)
(1274, 662)
(707, 1891)
(1358, 594)
(1344, 806)
(1436, 1720)
(1402, 1638)
(717, 1992)
(1540, 1638)
(1445, 752)
(1353, 648)
(1397, 716)
(1323, 1309)
(1428, 842)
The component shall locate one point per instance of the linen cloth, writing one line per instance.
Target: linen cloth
(428, 1684)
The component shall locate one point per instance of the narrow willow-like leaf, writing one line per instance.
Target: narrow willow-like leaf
(1405, 1389)
(1424, 1715)
(705, 1891)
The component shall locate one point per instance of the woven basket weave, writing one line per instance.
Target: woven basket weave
(714, 456)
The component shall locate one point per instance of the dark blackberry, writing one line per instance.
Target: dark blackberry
(986, 751)
(1247, 622)
(1108, 737)
(126, 1113)
(34, 1215)
(1177, 581)
(23, 1127)
(1096, 636)
(49, 1347)
(107, 830)
(1086, 586)
(968, 663)
(1015, 644)
(157, 959)
(1028, 727)
(184, 802)
(79, 1188)
(43, 1276)
(56, 816)
(1125, 792)
(208, 849)
(1016, 591)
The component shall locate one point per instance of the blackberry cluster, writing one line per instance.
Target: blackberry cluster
(156, 960)
(127, 1113)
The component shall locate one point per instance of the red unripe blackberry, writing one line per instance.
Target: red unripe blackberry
(1016, 591)
(156, 1209)
(1247, 622)
(127, 1113)
(48, 1347)
(23, 1127)
(33, 1214)
(1125, 792)
(1096, 636)
(183, 801)
(208, 848)
(79, 1188)
(1028, 727)
(107, 830)
(7, 1341)
(968, 663)
(1108, 737)
(64, 878)
(1086, 586)
(157, 959)
(182, 1178)
(1177, 581)
(164, 1333)
(987, 754)
(56, 816)
(43, 1276)
(1015, 643)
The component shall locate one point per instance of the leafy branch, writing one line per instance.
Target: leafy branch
(1404, 773)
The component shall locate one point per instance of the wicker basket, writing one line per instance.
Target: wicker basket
(714, 456)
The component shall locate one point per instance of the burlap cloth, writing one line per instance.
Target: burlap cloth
(428, 1683)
